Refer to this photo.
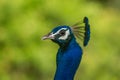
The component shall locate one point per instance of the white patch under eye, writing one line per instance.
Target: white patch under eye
(67, 33)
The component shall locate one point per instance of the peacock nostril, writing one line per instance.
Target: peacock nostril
(48, 36)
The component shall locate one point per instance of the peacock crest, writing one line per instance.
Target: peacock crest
(81, 30)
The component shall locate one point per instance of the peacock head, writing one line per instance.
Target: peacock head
(63, 34)
(60, 34)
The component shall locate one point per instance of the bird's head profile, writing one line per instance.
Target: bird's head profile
(60, 34)
(63, 34)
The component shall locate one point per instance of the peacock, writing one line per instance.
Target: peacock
(69, 54)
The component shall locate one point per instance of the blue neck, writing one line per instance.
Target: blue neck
(68, 44)
(68, 59)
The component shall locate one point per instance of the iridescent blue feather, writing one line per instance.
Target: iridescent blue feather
(87, 31)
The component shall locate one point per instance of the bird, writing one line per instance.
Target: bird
(70, 53)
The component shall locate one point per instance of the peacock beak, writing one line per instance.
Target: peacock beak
(48, 36)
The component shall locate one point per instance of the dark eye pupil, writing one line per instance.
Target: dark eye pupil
(62, 32)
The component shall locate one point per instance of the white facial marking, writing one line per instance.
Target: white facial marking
(58, 31)
(67, 33)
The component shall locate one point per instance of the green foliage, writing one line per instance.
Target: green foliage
(24, 56)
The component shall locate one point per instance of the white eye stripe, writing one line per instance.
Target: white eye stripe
(67, 33)
(58, 31)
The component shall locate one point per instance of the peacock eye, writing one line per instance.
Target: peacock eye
(62, 32)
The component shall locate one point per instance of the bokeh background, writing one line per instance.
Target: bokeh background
(24, 56)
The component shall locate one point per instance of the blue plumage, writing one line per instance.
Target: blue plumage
(87, 31)
(68, 61)
(70, 53)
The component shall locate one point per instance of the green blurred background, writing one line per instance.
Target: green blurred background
(24, 56)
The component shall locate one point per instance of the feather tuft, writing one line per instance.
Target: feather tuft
(82, 32)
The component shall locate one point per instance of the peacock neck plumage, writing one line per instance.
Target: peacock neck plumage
(64, 45)
(68, 59)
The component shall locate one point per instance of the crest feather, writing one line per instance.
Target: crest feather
(82, 31)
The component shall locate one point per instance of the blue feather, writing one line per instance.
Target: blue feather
(87, 31)
(68, 61)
